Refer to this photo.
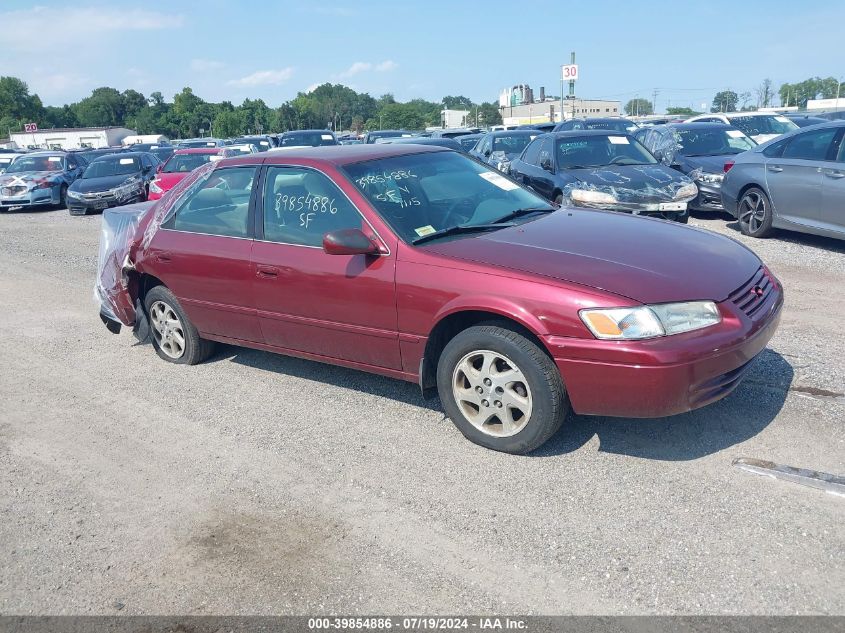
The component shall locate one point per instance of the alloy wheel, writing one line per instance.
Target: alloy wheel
(492, 393)
(167, 329)
(752, 210)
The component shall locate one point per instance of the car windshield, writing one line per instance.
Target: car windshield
(309, 139)
(600, 150)
(184, 163)
(36, 163)
(512, 144)
(420, 194)
(712, 142)
(763, 124)
(112, 166)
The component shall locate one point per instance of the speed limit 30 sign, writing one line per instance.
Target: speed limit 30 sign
(569, 72)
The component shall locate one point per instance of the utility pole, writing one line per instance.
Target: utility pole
(572, 85)
(654, 101)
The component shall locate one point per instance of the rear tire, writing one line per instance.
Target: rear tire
(754, 212)
(500, 389)
(174, 337)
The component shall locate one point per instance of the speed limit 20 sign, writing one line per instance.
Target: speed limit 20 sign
(569, 72)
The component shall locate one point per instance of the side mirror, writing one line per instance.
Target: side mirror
(546, 164)
(348, 242)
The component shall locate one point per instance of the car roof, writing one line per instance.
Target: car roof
(602, 119)
(198, 150)
(695, 125)
(122, 155)
(308, 132)
(501, 133)
(49, 152)
(335, 154)
(573, 133)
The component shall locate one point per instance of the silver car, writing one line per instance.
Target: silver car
(796, 182)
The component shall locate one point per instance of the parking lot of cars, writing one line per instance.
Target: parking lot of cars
(260, 483)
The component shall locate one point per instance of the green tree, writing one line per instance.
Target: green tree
(681, 111)
(457, 103)
(765, 93)
(17, 106)
(489, 114)
(813, 88)
(639, 107)
(104, 107)
(229, 123)
(725, 101)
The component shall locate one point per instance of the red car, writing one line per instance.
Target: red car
(424, 265)
(179, 165)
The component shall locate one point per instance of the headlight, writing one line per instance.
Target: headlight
(155, 188)
(43, 184)
(74, 194)
(592, 197)
(688, 190)
(643, 322)
(711, 179)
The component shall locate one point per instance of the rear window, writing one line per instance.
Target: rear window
(308, 139)
(763, 124)
(179, 163)
(512, 144)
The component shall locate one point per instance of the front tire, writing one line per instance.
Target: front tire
(755, 213)
(174, 337)
(62, 197)
(500, 389)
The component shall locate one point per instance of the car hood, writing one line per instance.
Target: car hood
(647, 260)
(167, 181)
(641, 183)
(87, 185)
(26, 177)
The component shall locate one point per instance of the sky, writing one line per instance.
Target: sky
(274, 49)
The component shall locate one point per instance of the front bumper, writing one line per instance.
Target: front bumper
(82, 206)
(709, 198)
(668, 375)
(31, 198)
(641, 208)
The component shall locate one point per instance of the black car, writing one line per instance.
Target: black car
(603, 170)
(261, 141)
(498, 149)
(540, 127)
(612, 124)
(699, 150)
(307, 138)
(450, 143)
(468, 141)
(805, 120)
(111, 181)
(371, 137)
(454, 132)
(163, 153)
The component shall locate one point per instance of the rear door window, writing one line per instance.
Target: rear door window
(219, 206)
(532, 152)
(815, 145)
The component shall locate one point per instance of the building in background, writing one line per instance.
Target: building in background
(519, 106)
(71, 138)
(453, 118)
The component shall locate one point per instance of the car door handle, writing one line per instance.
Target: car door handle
(834, 174)
(267, 272)
(775, 168)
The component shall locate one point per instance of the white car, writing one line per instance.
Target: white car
(241, 149)
(761, 126)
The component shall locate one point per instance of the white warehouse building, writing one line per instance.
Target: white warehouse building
(71, 138)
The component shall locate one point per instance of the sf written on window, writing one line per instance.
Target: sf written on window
(301, 206)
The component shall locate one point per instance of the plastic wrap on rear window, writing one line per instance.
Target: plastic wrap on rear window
(119, 232)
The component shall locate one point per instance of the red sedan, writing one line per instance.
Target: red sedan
(179, 165)
(422, 264)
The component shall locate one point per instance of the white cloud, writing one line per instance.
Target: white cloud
(205, 65)
(20, 27)
(361, 67)
(264, 78)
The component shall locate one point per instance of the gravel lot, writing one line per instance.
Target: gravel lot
(258, 484)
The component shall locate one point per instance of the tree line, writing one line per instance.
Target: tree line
(797, 94)
(327, 106)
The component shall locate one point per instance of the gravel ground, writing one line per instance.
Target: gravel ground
(258, 484)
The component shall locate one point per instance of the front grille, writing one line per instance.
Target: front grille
(13, 191)
(752, 295)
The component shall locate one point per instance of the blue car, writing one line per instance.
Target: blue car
(40, 178)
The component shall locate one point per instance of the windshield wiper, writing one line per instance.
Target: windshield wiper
(520, 212)
(457, 230)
